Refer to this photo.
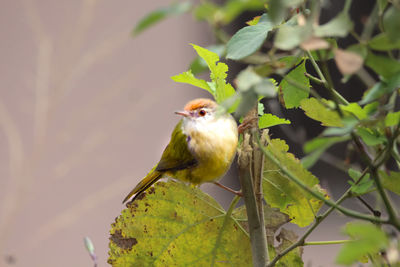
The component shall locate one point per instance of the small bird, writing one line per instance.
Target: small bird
(202, 147)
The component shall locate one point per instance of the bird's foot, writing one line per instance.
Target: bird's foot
(247, 124)
(239, 193)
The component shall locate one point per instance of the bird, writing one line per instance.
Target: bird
(202, 147)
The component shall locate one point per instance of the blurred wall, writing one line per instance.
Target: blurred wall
(85, 112)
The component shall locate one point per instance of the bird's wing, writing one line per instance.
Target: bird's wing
(176, 155)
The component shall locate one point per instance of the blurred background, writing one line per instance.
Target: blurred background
(85, 112)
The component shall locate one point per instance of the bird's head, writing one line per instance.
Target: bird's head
(201, 109)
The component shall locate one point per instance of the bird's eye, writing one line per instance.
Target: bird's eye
(202, 112)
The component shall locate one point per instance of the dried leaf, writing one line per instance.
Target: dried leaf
(314, 43)
(348, 62)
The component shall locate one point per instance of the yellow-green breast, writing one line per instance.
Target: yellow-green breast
(213, 144)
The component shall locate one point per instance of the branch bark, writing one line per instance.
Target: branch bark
(250, 161)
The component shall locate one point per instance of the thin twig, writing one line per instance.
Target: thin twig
(376, 213)
(330, 242)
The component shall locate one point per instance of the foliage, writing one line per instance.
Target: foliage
(290, 60)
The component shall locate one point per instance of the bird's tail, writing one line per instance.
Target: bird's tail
(146, 182)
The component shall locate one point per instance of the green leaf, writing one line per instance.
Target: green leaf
(385, 66)
(173, 224)
(382, 88)
(368, 239)
(218, 87)
(248, 39)
(160, 14)
(246, 79)
(267, 87)
(199, 65)
(288, 37)
(281, 193)
(337, 27)
(233, 8)
(208, 11)
(209, 57)
(309, 160)
(362, 187)
(223, 90)
(392, 119)
(317, 146)
(370, 137)
(269, 120)
(348, 125)
(391, 181)
(323, 143)
(356, 110)
(188, 77)
(247, 100)
(222, 15)
(391, 23)
(359, 49)
(254, 21)
(277, 8)
(292, 95)
(317, 111)
(381, 42)
(260, 109)
(290, 61)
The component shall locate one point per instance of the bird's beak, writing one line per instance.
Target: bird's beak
(183, 113)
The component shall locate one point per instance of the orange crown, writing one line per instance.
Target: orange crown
(200, 103)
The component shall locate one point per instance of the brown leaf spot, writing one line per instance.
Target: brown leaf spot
(123, 242)
(141, 195)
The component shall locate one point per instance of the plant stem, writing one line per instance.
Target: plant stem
(235, 200)
(257, 175)
(370, 24)
(257, 230)
(330, 242)
(314, 79)
(326, 80)
(389, 206)
(316, 67)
